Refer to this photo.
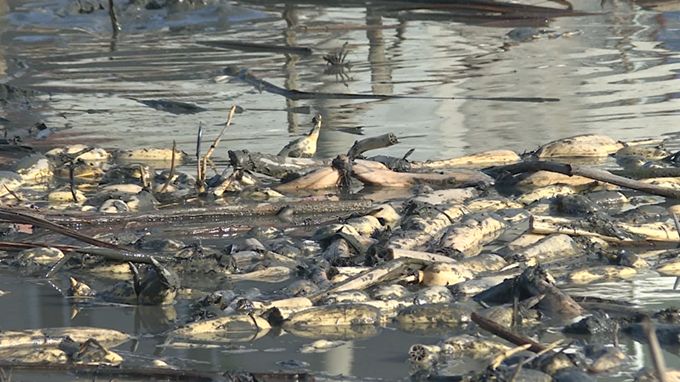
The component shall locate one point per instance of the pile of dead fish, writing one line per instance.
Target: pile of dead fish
(483, 246)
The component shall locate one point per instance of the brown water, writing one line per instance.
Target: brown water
(619, 77)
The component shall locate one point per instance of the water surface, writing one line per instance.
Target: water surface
(617, 76)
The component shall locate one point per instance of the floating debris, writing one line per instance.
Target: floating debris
(466, 247)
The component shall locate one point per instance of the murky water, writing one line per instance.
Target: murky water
(618, 77)
(36, 303)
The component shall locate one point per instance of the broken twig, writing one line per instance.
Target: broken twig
(506, 334)
(115, 25)
(172, 167)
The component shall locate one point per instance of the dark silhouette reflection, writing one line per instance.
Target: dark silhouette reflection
(290, 37)
(381, 71)
(154, 319)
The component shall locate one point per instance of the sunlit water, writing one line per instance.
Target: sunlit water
(618, 77)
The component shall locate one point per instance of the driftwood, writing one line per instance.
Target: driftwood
(18, 217)
(591, 173)
(647, 173)
(505, 333)
(379, 142)
(120, 253)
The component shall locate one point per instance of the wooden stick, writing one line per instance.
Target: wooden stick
(498, 360)
(550, 347)
(616, 334)
(172, 167)
(115, 25)
(655, 350)
(199, 139)
(72, 181)
(14, 194)
(18, 217)
(58, 265)
(379, 142)
(143, 177)
(506, 334)
(591, 173)
(216, 142)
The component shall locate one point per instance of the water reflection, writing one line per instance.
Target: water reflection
(290, 37)
(612, 74)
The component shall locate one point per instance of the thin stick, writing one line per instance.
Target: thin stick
(142, 177)
(655, 350)
(58, 264)
(219, 190)
(616, 334)
(18, 217)
(217, 140)
(212, 166)
(115, 25)
(516, 319)
(677, 228)
(518, 370)
(199, 140)
(108, 253)
(506, 334)
(498, 360)
(14, 194)
(550, 347)
(72, 180)
(172, 167)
